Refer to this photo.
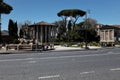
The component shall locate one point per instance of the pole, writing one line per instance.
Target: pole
(1, 1)
(0, 27)
(86, 25)
(86, 31)
(0, 21)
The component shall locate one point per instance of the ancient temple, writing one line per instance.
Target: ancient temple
(43, 32)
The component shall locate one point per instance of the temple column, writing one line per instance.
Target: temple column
(49, 34)
(108, 35)
(33, 36)
(41, 34)
(45, 33)
(37, 35)
(104, 36)
(52, 33)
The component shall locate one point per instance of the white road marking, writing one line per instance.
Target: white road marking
(47, 77)
(91, 55)
(87, 72)
(15, 59)
(40, 53)
(29, 58)
(115, 69)
(32, 62)
(110, 52)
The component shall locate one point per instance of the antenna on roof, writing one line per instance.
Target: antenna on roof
(89, 12)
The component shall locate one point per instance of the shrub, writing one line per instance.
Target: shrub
(94, 44)
(15, 41)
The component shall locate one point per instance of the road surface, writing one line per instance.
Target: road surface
(102, 64)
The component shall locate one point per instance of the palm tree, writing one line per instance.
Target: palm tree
(4, 9)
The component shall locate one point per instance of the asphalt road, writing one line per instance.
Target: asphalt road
(103, 64)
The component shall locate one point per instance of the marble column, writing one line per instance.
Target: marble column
(41, 34)
(45, 33)
(104, 36)
(49, 39)
(108, 35)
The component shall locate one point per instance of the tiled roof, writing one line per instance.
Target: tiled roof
(110, 27)
(42, 23)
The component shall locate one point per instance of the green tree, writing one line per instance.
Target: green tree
(4, 9)
(21, 33)
(61, 30)
(74, 13)
(69, 25)
(13, 29)
(24, 30)
(87, 32)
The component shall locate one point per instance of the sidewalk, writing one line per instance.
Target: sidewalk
(4, 51)
(56, 48)
(62, 48)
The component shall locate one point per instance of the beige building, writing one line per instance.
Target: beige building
(109, 34)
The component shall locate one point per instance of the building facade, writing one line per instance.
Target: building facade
(109, 34)
(43, 32)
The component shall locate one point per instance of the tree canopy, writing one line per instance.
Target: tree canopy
(13, 29)
(5, 8)
(71, 12)
(80, 34)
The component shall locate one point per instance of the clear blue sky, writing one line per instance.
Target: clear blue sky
(104, 11)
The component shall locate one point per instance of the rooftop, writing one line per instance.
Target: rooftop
(42, 23)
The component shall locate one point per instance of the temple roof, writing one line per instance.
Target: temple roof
(42, 23)
(110, 27)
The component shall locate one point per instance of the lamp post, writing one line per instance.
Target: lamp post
(86, 31)
(0, 27)
(0, 21)
(86, 25)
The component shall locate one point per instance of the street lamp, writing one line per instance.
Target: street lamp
(0, 27)
(86, 25)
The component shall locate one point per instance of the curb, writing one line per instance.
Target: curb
(21, 52)
(54, 50)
